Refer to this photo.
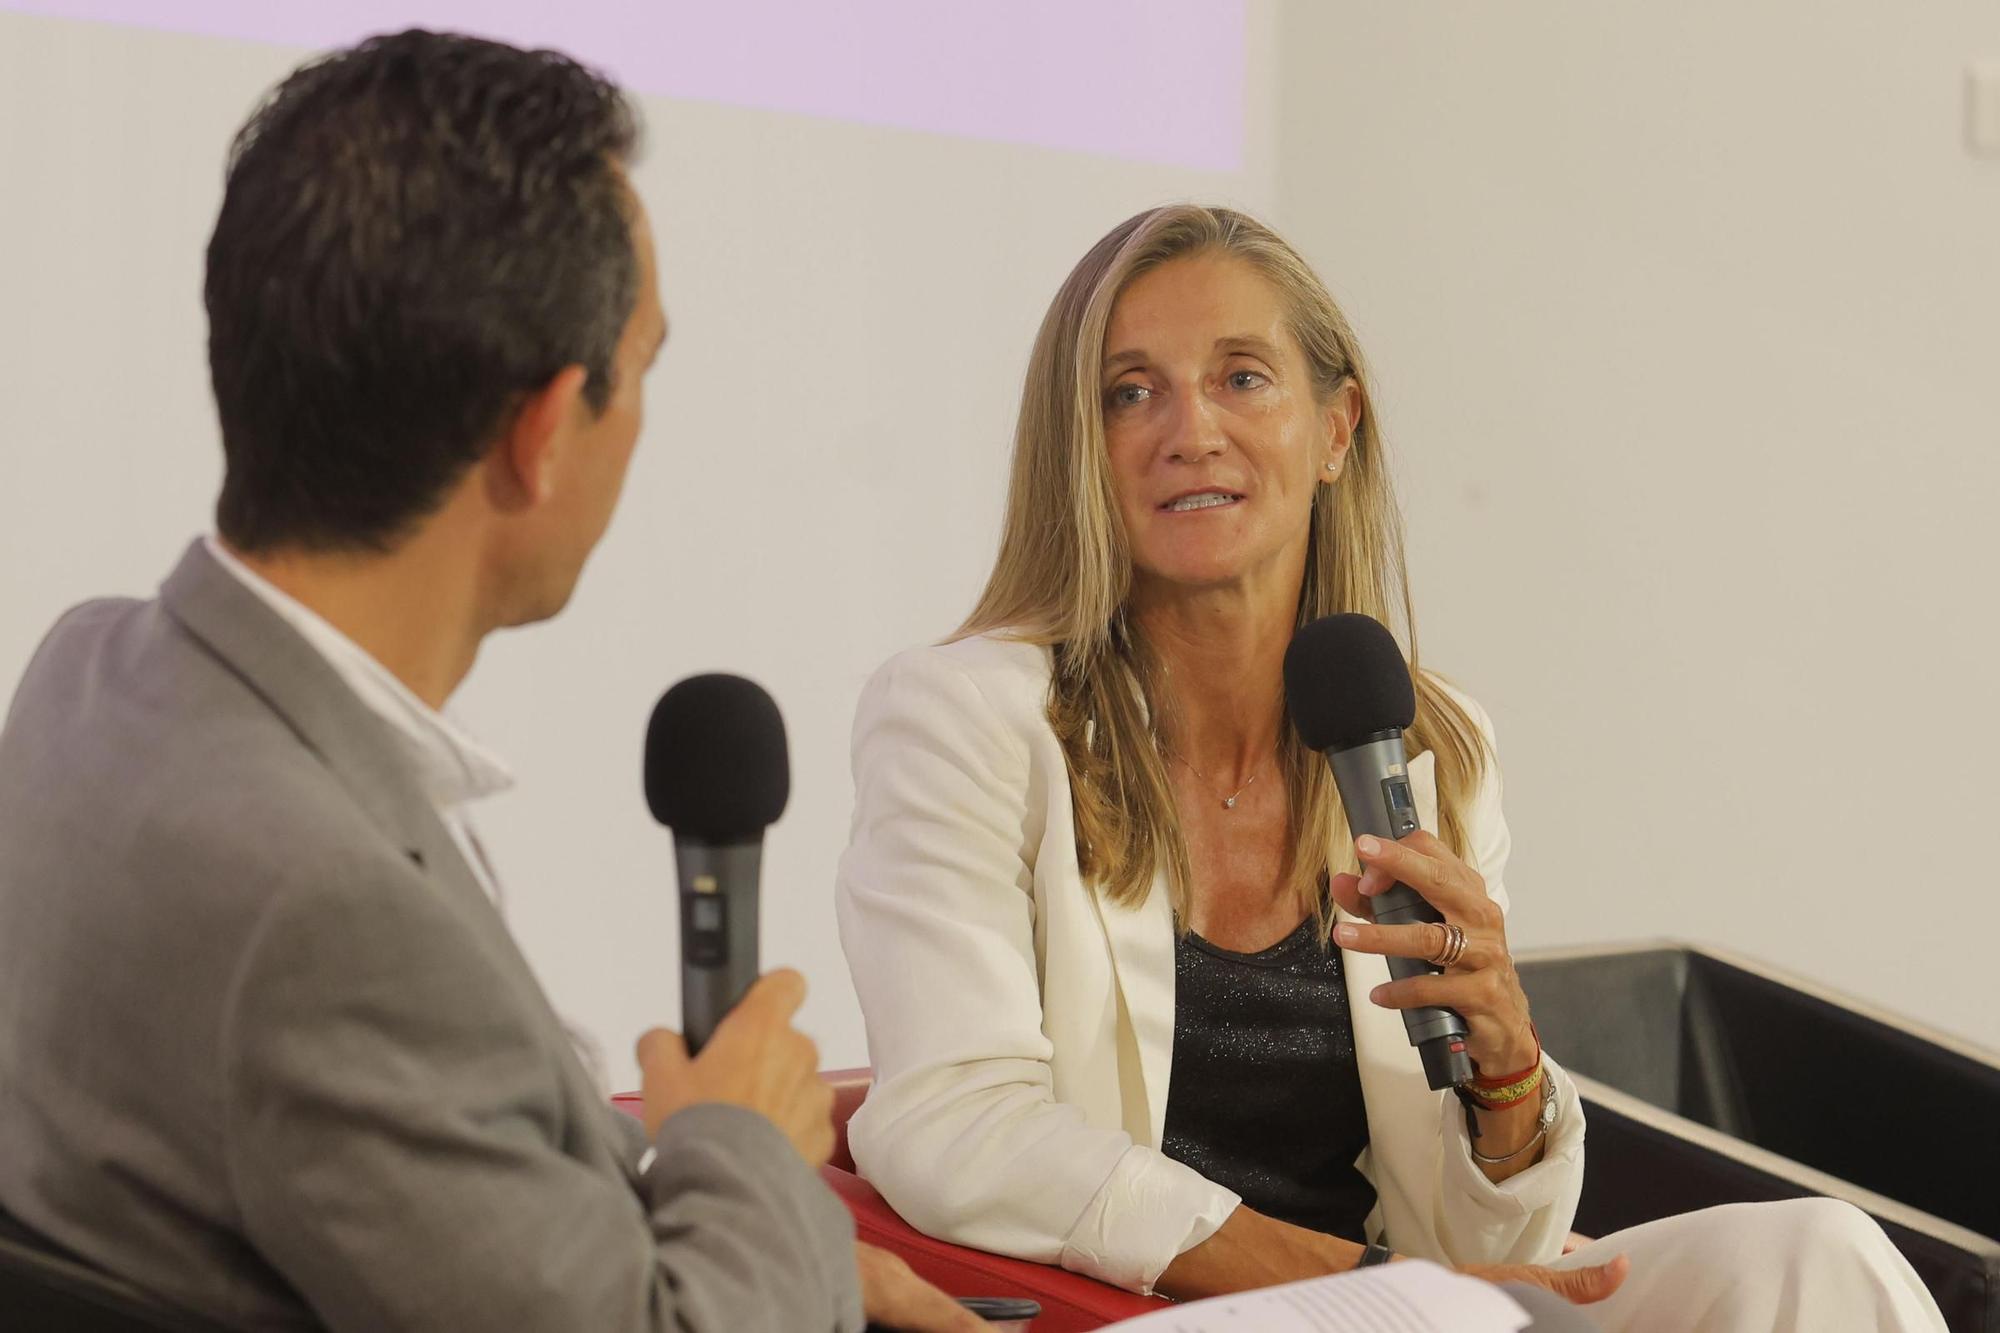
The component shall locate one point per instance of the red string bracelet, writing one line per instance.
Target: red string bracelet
(1505, 1080)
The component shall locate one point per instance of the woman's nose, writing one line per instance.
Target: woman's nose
(1194, 433)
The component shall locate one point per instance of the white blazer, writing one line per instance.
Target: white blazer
(1021, 1027)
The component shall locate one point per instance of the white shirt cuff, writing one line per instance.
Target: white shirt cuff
(1151, 1210)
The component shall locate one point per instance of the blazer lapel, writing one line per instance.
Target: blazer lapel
(1142, 960)
(309, 696)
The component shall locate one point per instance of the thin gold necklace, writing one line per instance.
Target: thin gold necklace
(1229, 801)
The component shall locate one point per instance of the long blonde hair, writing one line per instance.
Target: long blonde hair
(1064, 571)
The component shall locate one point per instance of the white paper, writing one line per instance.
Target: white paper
(1407, 1297)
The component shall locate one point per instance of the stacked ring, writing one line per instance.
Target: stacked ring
(1453, 947)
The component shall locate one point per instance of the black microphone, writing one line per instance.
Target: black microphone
(718, 776)
(1350, 696)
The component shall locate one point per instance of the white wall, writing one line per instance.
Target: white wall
(1688, 322)
(818, 486)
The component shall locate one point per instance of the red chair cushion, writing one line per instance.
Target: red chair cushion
(1069, 1301)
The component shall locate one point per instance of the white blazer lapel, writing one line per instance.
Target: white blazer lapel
(1142, 958)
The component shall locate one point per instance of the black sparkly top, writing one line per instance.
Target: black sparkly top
(1266, 1097)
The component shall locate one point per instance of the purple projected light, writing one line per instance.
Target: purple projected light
(1150, 80)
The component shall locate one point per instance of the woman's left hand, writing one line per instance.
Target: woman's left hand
(1481, 985)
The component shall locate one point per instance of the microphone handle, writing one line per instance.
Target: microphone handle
(1374, 783)
(718, 931)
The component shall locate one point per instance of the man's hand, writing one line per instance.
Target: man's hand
(756, 1060)
(894, 1297)
(1580, 1286)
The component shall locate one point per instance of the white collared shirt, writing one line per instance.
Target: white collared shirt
(453, 768)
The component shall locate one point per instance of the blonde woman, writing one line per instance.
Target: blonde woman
(1126, 1007)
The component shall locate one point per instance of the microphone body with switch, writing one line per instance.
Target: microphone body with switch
(1350, 696)
(719, 895)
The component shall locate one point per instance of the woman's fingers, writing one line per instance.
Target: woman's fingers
(1480, 982)
(1470, 994)
(1426, 865)
(1346, 890)
(1423, 940)
(1499, 1034)
(1580, 1286)
(1586, 1286)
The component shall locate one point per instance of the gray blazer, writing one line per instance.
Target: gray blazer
(269, 1052)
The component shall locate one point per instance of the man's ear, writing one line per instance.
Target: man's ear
(533, 441)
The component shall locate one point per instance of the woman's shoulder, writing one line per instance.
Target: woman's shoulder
(1009, 671)
(981, 683)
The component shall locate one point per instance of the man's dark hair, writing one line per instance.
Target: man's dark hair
(415, 233)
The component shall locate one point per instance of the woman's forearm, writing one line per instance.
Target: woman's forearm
(1251, 1250)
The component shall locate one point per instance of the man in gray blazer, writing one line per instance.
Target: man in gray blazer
(267, 1050)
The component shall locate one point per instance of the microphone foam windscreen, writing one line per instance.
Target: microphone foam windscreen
(1345, 679)
(716, 766)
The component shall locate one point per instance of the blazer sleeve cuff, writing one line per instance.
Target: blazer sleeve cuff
(1150, 1211)
(1551, 1182)
(751, 1181)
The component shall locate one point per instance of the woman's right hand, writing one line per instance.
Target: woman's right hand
(1579, 1286)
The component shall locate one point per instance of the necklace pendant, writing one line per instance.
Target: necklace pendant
(1229, 803)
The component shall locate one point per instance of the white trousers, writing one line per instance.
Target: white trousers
(1811, 1265)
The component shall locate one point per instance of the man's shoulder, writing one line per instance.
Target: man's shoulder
(131, 750)
(109, 660)
(78, 637)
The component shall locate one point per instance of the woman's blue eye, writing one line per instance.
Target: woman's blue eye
(1124, 395)
(1246, 379)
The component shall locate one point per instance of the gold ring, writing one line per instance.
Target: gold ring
(1453, 947)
